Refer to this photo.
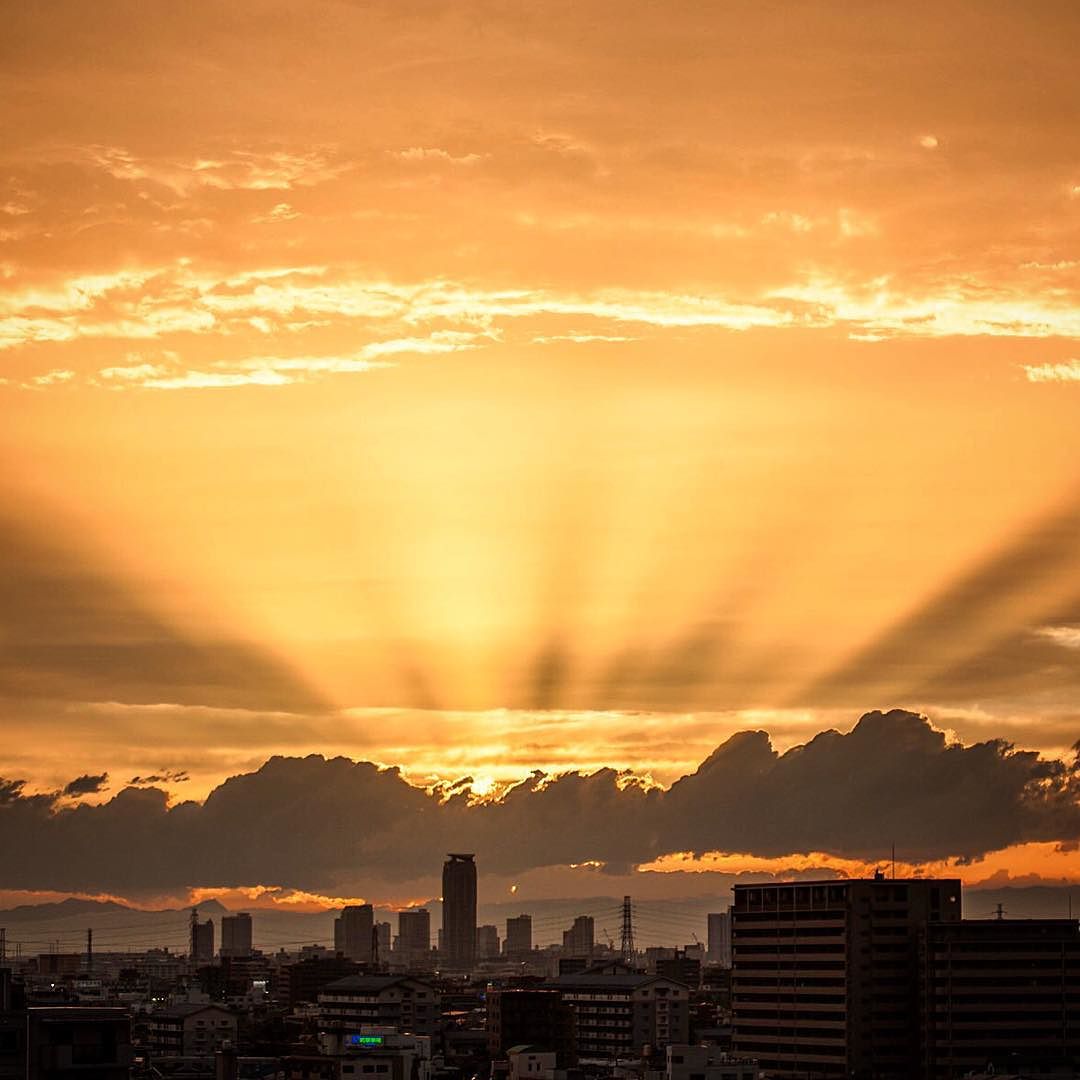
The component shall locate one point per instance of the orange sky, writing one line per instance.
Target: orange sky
(481, 387)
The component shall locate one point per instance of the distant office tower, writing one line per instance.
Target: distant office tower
(459, 911)
(236, 935)
(202, 941)
(353, 932)
(580, 938)
(382, 941)
(487, 942)
(519, 937)
(720, 938)
(826, 974)
(414, 938)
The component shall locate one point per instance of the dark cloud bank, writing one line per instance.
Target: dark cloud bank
(323, 825)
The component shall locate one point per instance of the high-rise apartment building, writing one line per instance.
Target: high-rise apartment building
(354, 930)
(1001, 995)
(579, 940)
(236, 935)
(826, 974)
(519, 937)
(459, 911)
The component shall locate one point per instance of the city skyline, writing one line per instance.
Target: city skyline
(543, 430)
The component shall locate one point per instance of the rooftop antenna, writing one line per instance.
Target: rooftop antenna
(894, 860)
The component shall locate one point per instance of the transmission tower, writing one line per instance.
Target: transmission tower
(626, 942)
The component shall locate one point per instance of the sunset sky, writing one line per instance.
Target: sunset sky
(484, 387)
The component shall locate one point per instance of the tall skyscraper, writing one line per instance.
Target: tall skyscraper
(459, 911)
(236, 935)
(353, 932)
(518, 937)
(580, 938)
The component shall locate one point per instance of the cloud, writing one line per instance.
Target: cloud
(582, 339)
(280, 212)
(1066, 372)
(434, 154)
(166, 776)
(274, 371)
(293, 822)
(1067, 637)
(51, 378)
(241, 169)
(10, 790)
(169, 302)
(86, 785)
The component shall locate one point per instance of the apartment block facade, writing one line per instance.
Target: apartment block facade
(826, 974)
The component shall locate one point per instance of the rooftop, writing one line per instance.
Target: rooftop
(623, 982)
(371, 984)
(849, 881)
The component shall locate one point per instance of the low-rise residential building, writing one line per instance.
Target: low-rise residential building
(618, 1015)
(397, 1001)
(192, 1030)
(708, 1063)
(378, 1053)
